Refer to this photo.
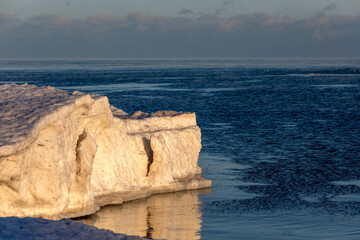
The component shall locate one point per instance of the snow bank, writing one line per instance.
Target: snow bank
(66, 154)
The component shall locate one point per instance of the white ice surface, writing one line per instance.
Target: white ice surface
(23, 108)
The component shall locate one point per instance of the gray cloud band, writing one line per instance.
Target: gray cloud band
(143, 35)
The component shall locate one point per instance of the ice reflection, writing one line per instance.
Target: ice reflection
(163, 216)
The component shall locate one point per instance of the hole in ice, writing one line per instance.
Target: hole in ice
(78, 143)
(149, 153)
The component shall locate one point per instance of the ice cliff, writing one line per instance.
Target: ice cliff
(66, 154)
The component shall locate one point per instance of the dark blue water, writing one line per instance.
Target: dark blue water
(281, 138)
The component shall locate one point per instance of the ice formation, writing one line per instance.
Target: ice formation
(66, 154)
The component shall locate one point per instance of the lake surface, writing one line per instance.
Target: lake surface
(281, 142)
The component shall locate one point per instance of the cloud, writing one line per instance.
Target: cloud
(229, 2)
(6, 18)
(219, 11)
(185, 11)
(67, 3)
(139, 17)
(140, 34)
(330, 7)
(7, 23)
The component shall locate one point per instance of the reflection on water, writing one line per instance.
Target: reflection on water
(162, 216)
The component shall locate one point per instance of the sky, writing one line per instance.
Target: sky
(179, 28)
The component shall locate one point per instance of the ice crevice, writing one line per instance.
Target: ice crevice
(149, 153)
(65, 154)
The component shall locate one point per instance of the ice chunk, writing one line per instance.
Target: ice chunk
(66, 154)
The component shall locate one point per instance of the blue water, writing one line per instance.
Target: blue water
(281, 137)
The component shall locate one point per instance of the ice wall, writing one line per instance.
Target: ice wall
(66, 154)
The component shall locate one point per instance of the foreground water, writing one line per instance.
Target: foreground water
(280, 142)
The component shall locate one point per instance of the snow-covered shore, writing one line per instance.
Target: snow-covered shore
(66, 154)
